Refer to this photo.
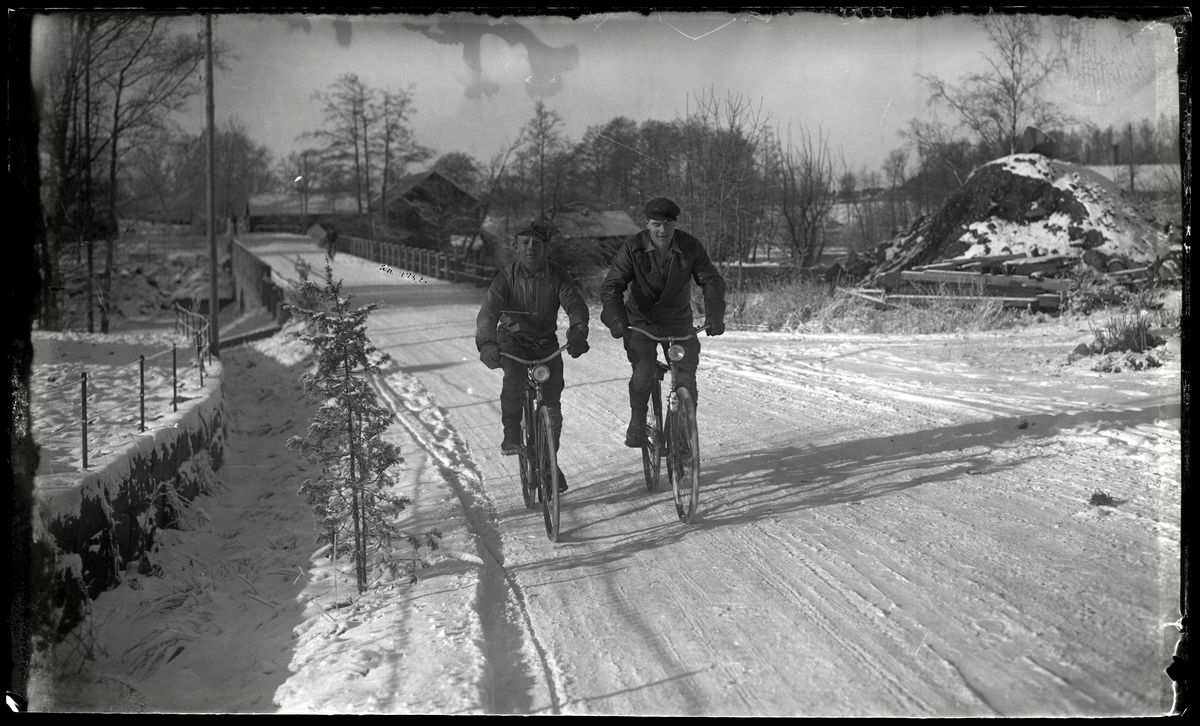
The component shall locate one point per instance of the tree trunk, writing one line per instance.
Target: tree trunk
(106, 295)
(91, 285)
(360, 555)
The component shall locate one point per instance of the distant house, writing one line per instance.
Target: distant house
(432, 207)
(599, 232)
(289, 211)
(596, 226)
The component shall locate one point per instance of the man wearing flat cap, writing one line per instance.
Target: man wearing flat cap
(520, 317)
(649, 286)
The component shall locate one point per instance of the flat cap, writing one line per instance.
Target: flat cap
(541, 230)
(661, 208)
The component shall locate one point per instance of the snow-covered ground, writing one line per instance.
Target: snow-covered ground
(115, 378)
(889, 526)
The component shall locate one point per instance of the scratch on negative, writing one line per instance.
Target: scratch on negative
(918, 650)
(885, 110)
(677, 30)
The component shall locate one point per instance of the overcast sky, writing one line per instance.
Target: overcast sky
(855, 79)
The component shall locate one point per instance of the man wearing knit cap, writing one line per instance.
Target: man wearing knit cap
(649, 286)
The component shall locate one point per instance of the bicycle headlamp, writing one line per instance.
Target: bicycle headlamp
(541, 373)
(675, 352)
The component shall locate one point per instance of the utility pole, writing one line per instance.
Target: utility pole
(214, 339)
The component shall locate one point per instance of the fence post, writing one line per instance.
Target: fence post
(199, 359)
(174, 380)
(142, 389)
(83, 382)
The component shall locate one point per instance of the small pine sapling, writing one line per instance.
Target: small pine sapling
(352, 499)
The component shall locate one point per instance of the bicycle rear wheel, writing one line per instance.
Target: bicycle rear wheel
(547, 465)
(683, 456)
(652, 447)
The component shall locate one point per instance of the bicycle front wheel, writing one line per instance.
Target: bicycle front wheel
(547, 459)
(683, 456)
(652, 446)
(528, 463)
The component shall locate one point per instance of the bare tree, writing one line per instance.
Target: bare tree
(148, 71)
(395, 143)
(547, 163)
(608, 157)
(116, 78)
(997, 104)
(722, 190)
(944, 162)
(807, 193)
(302, 172)
(344, 138)
(496, 172)
(461, 168)
(894, 168)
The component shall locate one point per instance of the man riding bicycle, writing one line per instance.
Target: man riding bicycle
(649, 285)
(520, 317)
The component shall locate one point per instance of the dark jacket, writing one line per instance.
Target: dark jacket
(664, 300)
(527, 305)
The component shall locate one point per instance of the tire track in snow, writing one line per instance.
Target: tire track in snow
(513, 680)
(848, 387)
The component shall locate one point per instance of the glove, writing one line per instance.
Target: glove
(619, 328)
(490, 355)
(716, 327)
(577, 343)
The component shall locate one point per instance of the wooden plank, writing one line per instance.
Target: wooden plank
(863, 295)
(956, 262)
(1049, 301)
(1008, 302)
(975, 278)
(1137, 273)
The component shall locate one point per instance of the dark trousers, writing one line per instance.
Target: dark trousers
(643, 354)
(512, 393)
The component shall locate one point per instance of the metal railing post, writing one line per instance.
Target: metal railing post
(83, 382)
(142, 389)
(174, 380)
(199, 359)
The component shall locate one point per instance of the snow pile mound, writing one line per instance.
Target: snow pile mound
(1029, 205)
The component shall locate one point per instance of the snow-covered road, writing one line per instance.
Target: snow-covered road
(888, 526)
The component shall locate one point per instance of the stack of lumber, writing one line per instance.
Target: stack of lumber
(1020, 281)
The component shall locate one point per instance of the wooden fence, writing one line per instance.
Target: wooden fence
(429, 263)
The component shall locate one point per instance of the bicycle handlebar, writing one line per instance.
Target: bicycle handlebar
(534, 362)
(671, 338)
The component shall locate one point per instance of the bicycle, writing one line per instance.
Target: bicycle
(538, 458)
(676, 438)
